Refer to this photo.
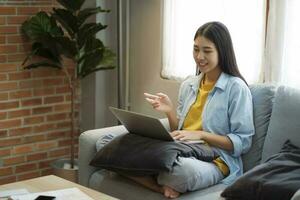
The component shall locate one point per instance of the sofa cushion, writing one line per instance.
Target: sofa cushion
(277, 179)
(135, 155)
(263, 98)
(284, 122)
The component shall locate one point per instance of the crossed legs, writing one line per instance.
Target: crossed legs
(188, 174)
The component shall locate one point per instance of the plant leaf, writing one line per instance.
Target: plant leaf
(93, 43)
(97, 60)
(66, 19)
(67, 47)
(38, 50)
(87, 12)
(109, 58)
(52, 46)
(91, 60)
(73, 5)
(32, 53)
(86, 55)
(88, 30)
(42, 64)
(41, 25)
(46, 52)
(55, 30)
(49, 42)
(42, 29)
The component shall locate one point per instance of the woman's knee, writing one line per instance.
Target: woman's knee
(182, 177)
(190, 174)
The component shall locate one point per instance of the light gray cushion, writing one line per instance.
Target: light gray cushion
(263, 98)
(284, 122)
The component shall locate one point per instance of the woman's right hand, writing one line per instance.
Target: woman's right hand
(160, 102)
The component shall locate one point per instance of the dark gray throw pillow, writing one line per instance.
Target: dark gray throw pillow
(278, 178)
(135, 155)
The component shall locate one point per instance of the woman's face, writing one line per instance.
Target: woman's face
(205, 55)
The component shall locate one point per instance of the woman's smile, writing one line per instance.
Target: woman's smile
(202, 64)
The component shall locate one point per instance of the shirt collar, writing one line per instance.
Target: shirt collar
(221, 82)
(196, 82)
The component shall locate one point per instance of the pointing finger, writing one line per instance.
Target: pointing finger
(161, 94)
(151, 101)
(151, 96)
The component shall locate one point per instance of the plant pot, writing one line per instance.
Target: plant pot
(62, 168)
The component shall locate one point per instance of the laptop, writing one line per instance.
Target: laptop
(144, 125)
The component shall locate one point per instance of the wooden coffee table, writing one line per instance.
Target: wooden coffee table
(51, 182)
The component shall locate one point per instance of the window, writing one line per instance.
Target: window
(274, 62)
(244, 19)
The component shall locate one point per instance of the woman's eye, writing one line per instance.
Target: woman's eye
(207, 51)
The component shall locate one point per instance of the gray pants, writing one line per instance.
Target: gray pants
(188, 174)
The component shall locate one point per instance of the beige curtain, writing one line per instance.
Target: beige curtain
(283, 43)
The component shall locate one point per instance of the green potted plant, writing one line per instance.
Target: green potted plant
(64, 32)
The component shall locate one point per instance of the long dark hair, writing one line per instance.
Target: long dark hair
(217, 33)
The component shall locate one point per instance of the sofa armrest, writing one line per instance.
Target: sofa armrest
(87, 150)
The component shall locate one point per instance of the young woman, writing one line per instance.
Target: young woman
(214, 106)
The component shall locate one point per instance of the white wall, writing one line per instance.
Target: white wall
(99, 90)
(146, 55)
(106, 81)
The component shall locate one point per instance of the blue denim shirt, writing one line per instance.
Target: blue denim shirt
(228, 111)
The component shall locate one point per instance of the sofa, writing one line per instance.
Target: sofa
(276, 118)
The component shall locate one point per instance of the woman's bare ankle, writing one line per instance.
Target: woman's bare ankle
(148, 182)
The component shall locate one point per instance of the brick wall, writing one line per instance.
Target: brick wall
(34, 104)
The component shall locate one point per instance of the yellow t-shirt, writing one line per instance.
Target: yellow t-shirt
(193, 120)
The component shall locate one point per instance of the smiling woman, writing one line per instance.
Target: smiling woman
(181, 18)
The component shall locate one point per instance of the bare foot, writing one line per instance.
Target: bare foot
(170, 193)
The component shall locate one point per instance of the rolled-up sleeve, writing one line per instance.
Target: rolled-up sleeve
(180, 100)
(241, 119)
